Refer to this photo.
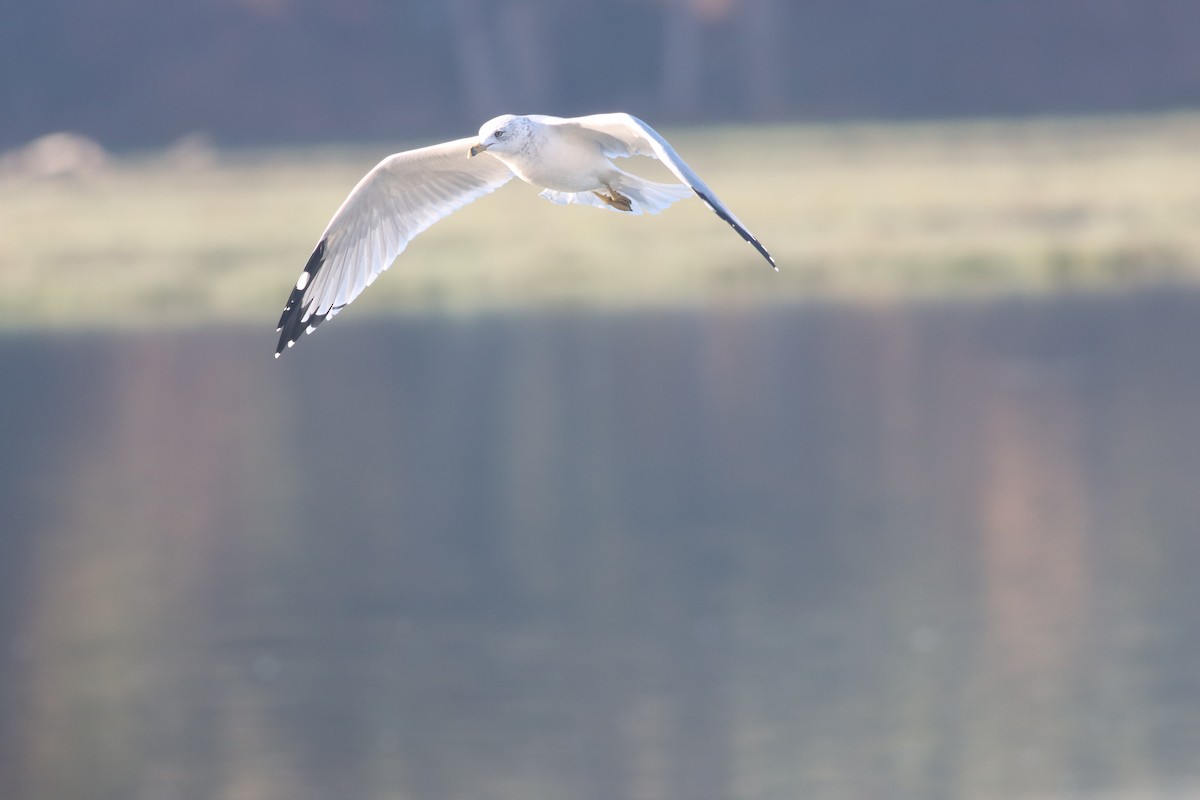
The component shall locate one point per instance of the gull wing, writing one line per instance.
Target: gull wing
(403, 195)
(625, 135)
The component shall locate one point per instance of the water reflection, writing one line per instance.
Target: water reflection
(901, 552)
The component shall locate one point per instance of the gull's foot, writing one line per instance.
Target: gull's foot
(616, 199)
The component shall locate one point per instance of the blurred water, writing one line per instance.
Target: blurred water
(829, 552)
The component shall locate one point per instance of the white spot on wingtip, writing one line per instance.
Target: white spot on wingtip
(292, 342)
(309, 329)
(277, 355)
(303, 281)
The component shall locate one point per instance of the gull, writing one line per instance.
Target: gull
(569, 158)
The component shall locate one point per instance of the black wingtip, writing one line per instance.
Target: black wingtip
(733, 223)
(770, 258)
(757, 245)
(292, 323)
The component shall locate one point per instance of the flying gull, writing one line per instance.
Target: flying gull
(407, 192)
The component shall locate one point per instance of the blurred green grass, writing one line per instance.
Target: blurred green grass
(854, 210)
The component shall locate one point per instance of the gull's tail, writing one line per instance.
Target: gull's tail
(634, 196)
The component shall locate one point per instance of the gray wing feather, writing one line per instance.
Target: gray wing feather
(621, 135)
(402, 196)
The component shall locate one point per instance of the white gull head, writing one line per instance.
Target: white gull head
(506, 134)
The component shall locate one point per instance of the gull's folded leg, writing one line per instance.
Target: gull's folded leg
(616, 199)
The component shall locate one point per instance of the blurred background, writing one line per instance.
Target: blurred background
(572, 504)
(141, 73)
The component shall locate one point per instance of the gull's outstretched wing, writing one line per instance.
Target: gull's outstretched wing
(403, 195)
(626, 135)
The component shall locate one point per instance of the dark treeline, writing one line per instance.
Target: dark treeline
(141, 72)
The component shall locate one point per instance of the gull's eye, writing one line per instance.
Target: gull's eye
(499, 134)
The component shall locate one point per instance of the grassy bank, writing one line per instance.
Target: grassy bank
(848, 210)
